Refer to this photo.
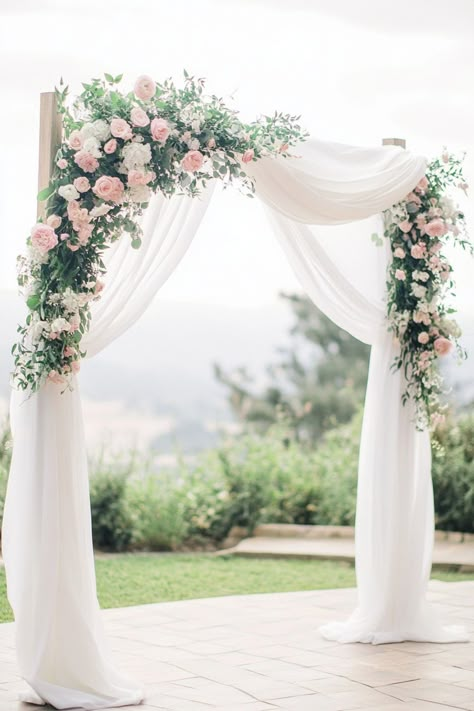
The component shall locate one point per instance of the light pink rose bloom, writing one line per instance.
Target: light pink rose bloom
(84, 234)
(405, 226)
(86, 161)
(73, 247)
(211, 143)
(43, 237)
(75, 140)
(119, 128)
(55, 377)
(248, 155)
(53, 221)
(64, 236)
(62, 163)
(159, 130)
(108, 188)
(417, 251)
(53, 335)
(137, 177)
(144, 88)
(422, 185)
(139, 117)
(399, 252)
(99, 286)
(74, 323)
(423, 337)
(413, 197)
(400, 275)
(421, 317)
(82, 184)
(284, 147)
(110, 146)
(69, 352)
(192, 161)
(436, 228)
(442, 346)
(75, 366)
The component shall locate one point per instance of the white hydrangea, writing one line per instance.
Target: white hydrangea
(135, 155)
(101, 130)
(418, 291)
(420, 276)
(68, 192)
(139, 193)
(92, 146)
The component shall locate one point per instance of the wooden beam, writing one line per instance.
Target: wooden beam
(394, 142)
(49, 141)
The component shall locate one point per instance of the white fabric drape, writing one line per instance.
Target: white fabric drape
(343, 272)
(47, 542)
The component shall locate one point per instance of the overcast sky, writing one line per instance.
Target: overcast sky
(356, 71)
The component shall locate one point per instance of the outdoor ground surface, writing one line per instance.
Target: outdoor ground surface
(137, 579)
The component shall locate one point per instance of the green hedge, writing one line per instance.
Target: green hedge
(256, 479)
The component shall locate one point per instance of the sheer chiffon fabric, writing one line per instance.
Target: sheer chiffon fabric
(47, 543)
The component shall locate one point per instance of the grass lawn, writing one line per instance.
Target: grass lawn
(136, 579)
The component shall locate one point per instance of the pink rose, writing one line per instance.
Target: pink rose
(159, 130)
(84, 234)
(399, 252)
(53, 221)
(442, 346)
(413, 197)
(64, 236)
(69, 352)
(418, 251)
(86, 161)
(436, 228)
(144, 88)
(110, 146)
(405, 226)
(55, 377)
(75, 140)
(192, 161)
(99, 286)
(423, 337)
(82, 184)
(211, 143)
(62, 163)
(75, 366)
(43, 237)
(119, 128)
(248, 155)
(108, 188)
(400, 275)
(422, 185)
(139, 117)
(136, 177)
(73, 247)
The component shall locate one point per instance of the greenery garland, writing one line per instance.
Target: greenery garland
(420, 281)
(118, 150)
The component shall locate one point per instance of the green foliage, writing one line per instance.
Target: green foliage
(318, 383)
(112, 525)
(5, 459)
(453, 475)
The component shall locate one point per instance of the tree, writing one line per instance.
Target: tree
(319, 382)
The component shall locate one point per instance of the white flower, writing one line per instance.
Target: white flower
(101, 130)
(87, 131)
(135, 155)
(100, 210)
(193, 144)
(139, 193)
(420, 276)
(68, 192)
(60, 324)
(418, 291)
(92, 146)
(37, 329)
(451, 327)
(196, 125)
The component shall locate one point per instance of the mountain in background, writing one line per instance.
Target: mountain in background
(155, 384)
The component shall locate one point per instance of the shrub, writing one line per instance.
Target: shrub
(112, 524)
(5, 459)
(158, 513)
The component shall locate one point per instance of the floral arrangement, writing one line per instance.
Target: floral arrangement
(420, 280)
(118, 150)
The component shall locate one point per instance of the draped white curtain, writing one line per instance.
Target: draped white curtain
(47, 542)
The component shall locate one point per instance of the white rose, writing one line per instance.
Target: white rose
(193, 144)
(68, 192)
(101, 130)
(139, 193)
(60, 324)
(100, 210)
(418, 291)
(196, 125)
(135, 155)
(37, 329)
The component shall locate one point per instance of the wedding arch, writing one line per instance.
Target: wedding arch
(363, 229)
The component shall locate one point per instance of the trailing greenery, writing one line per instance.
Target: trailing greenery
(125, 580)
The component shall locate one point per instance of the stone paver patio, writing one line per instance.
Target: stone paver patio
(264, 652)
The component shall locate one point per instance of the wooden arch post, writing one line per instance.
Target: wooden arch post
(50, 137)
